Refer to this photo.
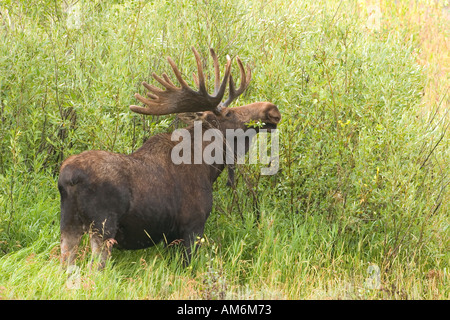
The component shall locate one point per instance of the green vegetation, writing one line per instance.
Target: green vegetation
(364, 148)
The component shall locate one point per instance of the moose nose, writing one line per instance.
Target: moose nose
(274, 115)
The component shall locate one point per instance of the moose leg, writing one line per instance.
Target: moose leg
(101, 250)
(191, 243)
(70, 238)
(230, 180)
(188, 253)
(102, 240)
(71, 229)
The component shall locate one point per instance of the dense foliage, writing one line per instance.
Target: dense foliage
(363, 162)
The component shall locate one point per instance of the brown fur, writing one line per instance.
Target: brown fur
(138, 200)
(143, 198)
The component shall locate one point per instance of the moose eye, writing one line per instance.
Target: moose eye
(227, 113)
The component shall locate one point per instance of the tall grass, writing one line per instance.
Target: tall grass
(363, 181)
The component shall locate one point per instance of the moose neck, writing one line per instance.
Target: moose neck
(216, 146)
(209, 148)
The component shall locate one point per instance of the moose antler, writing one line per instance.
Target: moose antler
(184, 99)
(245, 81)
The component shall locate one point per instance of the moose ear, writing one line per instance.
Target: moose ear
(190, 117)
(210, 118)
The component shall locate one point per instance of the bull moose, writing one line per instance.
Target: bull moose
(138, 200)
